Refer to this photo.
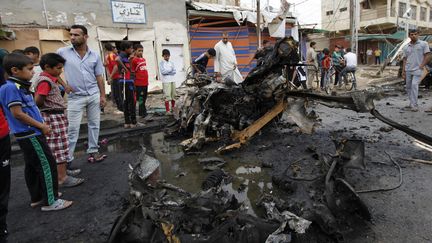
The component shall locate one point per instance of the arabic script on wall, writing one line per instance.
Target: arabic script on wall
(128, 12)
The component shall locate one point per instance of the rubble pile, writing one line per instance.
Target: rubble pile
(318, 204)
(216, 109)
(161, 212)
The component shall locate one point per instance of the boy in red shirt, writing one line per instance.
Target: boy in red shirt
(5, 174)
(113, 75)
(326, 64)
(5, 170)
(139, 66)
(52, 107)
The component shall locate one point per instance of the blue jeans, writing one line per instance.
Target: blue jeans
(348, 70)
(412, 85)
(76, 106)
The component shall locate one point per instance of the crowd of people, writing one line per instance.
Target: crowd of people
(415, 57)
(46, 125)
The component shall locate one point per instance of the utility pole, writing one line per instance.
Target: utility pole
(407, 19)
(354, 24)
(259, 23)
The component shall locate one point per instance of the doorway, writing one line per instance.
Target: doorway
(177, 58)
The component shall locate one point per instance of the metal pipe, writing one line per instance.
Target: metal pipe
(45, 13)
(259, 23)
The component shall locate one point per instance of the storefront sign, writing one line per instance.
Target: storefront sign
(128, 12)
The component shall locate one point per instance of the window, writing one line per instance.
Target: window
(329, 13)
(343, 9)
(422, 14)
(413, 11)
(402, 9)
(430, 15)
(365, 5)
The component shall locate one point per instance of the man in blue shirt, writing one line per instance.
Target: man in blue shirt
(83, 72)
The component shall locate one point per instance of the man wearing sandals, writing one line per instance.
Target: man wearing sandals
(83, 71)
(415, 59)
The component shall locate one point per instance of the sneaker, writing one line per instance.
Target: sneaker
(414, 109)
(73, 171)
(118, 112)
(139, 124)
(71, 182)
(96, 157)
(59, 204)
(40, 203)
(3, 235)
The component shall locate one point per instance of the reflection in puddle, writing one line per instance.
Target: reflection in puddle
(248, 170)
(248, 183)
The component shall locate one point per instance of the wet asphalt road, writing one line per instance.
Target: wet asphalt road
(401, 215)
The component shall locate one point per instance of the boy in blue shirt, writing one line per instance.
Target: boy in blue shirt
(26, 123)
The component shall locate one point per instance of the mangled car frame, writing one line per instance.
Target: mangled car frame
(231, 113)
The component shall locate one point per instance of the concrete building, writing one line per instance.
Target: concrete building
(156, 24)
(377, 16)
(221, 2)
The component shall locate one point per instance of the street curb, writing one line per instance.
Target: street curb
(110, 131)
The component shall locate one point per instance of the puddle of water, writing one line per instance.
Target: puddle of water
(249, 176)
(253, 179)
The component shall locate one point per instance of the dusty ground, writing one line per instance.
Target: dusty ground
(401, 215)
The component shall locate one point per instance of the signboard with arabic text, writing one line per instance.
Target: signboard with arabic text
(128, 12)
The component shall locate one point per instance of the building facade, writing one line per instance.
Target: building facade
(221, 2)
(378, 16)
(156, 24)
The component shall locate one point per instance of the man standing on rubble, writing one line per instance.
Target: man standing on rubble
(415, 58)
(225, 63)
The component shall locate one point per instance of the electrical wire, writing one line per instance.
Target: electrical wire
(390, 188)
(334, 16)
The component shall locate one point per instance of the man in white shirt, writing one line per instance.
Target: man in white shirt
(311, 59)
(350, 60)
(369, 56)
(225, 63)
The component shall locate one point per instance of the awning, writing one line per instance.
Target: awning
(400, 35)
(7, 34)
(118, 34)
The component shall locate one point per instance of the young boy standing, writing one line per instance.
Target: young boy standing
(127, 84)
(139, 66)
(113, 74)
(5, 174)
(5, 153)
(27, 125)
(52, 106)
(167, 70)
(33, 53)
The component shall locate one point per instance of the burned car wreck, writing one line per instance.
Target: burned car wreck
(320, 206)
